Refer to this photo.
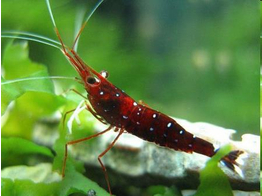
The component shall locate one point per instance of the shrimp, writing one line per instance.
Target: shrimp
(113, 107)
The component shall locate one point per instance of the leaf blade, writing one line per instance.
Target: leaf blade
(213, 181)
(18, 146)
(21, 79)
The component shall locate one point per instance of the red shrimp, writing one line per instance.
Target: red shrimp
(115, 108)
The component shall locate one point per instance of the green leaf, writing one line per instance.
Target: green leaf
(28, 188)
(29, 108)
(41, 180)
(34, 180)
(16, 62)
(160, 190)
(172, 191)
(21, 75)
(8, 93)
(260, 180)
(19, 146)
(76, 181)
(213, 181)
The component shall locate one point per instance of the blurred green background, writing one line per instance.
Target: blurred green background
(196, 60)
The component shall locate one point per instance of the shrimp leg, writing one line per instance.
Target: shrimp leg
(103, 153)
(77, 141)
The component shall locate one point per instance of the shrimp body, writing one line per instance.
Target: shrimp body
(120, 110)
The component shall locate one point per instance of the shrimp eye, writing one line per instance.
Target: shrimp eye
(91, 80)
(104, 73)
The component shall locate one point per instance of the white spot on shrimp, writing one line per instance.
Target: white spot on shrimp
(176, 140)
(139, 109)
(154, 115)
(125, 117)
(104, 74)
(101, 93)
(181, 132)
(117, 94)
(190, 145)
(169, 125)
(138, 123)
(138, 113)
(135, 103)
(151, 129)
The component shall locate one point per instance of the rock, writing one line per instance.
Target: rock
(134, 157)
(38, 173)
(149, 164)
(236, 193)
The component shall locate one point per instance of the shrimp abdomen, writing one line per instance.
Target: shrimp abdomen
(157, 127)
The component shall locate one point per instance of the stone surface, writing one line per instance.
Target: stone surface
(135, 159)
(38, 173)
(236, 193)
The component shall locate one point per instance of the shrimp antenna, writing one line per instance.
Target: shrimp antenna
(54, 24)
(80, 14)
(36, 78)
(75, 44)
(31, 37)
(51, 13)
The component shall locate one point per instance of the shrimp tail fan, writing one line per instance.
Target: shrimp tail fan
(230, 161)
